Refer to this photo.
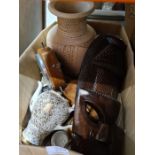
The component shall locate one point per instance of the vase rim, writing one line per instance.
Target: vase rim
(71, 9)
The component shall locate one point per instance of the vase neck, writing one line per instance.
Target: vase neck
(72, 27)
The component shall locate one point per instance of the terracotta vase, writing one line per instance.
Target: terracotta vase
(71, 36)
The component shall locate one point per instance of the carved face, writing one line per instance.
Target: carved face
(93, 115)
(99, 82)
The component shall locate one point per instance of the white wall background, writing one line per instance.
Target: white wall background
(50, 18)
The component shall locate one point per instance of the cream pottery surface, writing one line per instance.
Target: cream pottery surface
(72, 35)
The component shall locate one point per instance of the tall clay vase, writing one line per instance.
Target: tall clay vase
(71, 36)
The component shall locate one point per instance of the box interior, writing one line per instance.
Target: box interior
(29, 74)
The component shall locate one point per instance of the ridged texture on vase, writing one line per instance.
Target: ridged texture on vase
(70, 50)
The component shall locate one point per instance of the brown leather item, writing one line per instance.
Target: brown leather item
(52, 67)
(70, 91)
(87, 125)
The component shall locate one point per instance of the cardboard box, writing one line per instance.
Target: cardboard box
(29, 74)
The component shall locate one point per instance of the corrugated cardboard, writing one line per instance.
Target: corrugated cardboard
(29, 74)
